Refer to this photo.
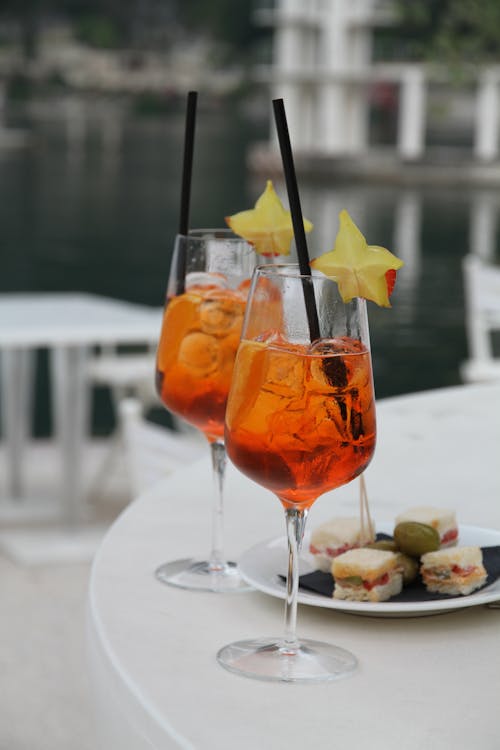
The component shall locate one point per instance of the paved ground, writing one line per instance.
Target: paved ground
(45, 699)
(45, 696)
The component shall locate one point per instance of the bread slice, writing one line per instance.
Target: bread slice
(441, 519)
(455, 572)
(336, 536)
(367, 575)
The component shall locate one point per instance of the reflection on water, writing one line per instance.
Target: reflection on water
(93, 206)
(421, 342)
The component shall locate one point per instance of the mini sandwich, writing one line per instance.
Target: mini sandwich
(336, 536)
(442, 520)
(371, 575)
(455, 572)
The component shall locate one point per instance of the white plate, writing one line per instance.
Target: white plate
(262, 565)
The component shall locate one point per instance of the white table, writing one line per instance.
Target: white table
(68, 325)
(424, 682)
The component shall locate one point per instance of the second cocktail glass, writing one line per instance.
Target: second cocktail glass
(206, 296)
(300, 421)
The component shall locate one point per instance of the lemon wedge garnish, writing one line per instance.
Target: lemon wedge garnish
(358, 268)
(267, 226)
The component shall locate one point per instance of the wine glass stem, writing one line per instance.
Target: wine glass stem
(295, 524)
(219, 461)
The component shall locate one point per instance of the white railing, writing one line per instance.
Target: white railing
(322, 66)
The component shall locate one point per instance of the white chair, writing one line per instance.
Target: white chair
(482, 318)
(151, 451)
(124, 374)
(126, 371)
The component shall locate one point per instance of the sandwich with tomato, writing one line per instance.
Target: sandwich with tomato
(338, 535)
(364, 574)
(455, 572)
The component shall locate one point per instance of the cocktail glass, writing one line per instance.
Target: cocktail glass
(206, 295)
(300, 421)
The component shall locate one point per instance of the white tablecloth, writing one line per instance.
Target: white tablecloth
(428, 682)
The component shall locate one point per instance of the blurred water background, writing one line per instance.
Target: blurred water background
(100, 217)
(90, 203)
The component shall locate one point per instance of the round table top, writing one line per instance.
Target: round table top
(152, 647)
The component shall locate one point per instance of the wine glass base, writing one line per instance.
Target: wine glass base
(267, 659)
(201, 576)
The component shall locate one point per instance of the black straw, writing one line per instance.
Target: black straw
(187, 168)
(188, 161)
(297, 219)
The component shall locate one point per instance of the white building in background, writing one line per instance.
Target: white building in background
(323, 67)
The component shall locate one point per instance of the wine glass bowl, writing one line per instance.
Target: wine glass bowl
(206, 296)
(300, 421)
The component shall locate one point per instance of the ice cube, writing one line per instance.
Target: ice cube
(333, 369)
(221, 315)
(270, 336)
(360, 373)
(338, 345)
(331, 416)
(204, 279)
(340, 419)
(291, 429)
(284, 374)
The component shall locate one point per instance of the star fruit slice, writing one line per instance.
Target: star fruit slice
(268, 226)
(360, 270)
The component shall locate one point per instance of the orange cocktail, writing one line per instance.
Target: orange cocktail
(301, 419)
(206, 296)
(200, 335)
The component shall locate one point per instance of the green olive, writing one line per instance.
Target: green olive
(409, 566)
(385, 544)
(415, 538)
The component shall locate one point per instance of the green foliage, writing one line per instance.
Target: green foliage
(458, 33)
(115, 24)
(19, 87)
(227, 21)
(151, 104)
(97, 31)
